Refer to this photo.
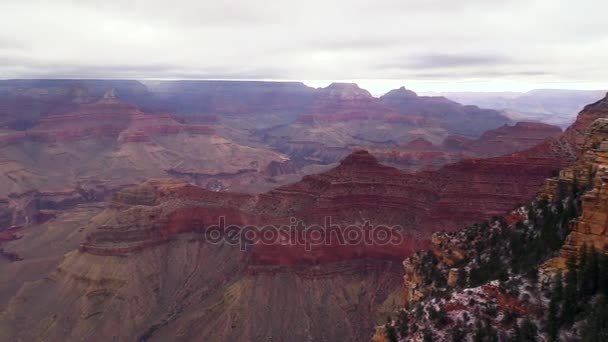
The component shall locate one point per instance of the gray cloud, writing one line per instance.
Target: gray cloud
(517, 42)
(435, 61)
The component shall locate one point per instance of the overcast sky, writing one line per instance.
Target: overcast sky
(381, 44)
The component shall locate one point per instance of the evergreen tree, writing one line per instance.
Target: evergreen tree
(596, 326)
(462, 277)
(458, 333)
(528, 331)
(480, 333)
(570, 306)
(582, 267)
(403, 323)
(390, 331)
(553, 322)
(602, 281)
(427, 335)
(589, 272)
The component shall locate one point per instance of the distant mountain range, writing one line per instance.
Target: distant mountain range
(554, 106)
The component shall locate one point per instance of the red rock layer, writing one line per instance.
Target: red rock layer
(508, 139)
(343, 102)
(359, 190)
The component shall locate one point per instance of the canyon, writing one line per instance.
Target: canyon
(95, 226)
(94, 137)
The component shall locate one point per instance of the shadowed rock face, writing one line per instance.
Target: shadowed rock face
(508, 139)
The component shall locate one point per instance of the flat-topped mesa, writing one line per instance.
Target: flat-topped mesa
(341, 102)
(107, 117)
(198, 97)
(345, 91)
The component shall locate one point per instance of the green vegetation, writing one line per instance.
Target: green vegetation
(580, 296)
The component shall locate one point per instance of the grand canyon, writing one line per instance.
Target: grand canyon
(110, 189)
(262, 171)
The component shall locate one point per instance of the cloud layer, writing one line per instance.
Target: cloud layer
(517, 42)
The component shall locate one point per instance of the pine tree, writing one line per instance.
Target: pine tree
(403, 323)
(480, 333)
(427, 335)
(458, 333)
(390, 331)
(602, 281)
(596, 326)
(528, 331)
(570, 306)
(583, 257)
(589, 272)
(553, 322)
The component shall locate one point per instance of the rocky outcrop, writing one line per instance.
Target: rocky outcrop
(343, 102)
(590, 173)
(587, 172)
(508, 139)
(452, 116)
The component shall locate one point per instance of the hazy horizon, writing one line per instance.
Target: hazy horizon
(377, 87)
(466, 45)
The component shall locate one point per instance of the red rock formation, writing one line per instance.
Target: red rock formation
(359, 190)
(362, 190)
(508, 139)
(341, 102)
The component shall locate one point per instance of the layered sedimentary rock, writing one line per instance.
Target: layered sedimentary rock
(108, 117)
(508, 139)
(468, 121)
(147, 258)
(358, 191)
(587, 142)
(24, 102)
(589, 173)
(343, 102)
(193, 98)
(147, 269)
(107, 143)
